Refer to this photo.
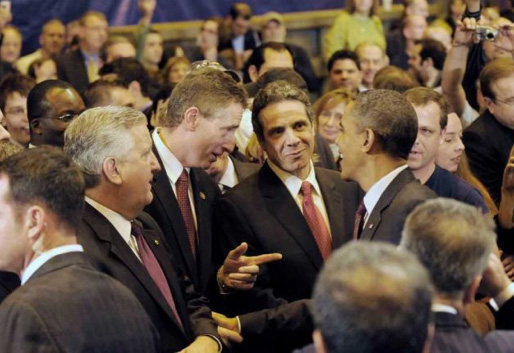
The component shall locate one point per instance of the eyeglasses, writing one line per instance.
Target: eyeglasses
(66, 118)
(509, 101)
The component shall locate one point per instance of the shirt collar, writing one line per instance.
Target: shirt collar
(229, 178)
(292, 182)
(171, 164)
(375, 192)
(120, 223)
(45, 257)
(443, 308)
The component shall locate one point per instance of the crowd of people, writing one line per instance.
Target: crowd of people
(219, 196)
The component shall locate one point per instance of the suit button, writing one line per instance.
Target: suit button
(370, 226)
(202, 196)
(156, 242)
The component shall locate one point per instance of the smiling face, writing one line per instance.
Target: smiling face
(215, 135)
(15, 118)
(450, 152)
(429, 137)
(288, 136)
(329, 120)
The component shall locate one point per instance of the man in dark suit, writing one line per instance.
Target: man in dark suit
(63, 304)
(203, 114)
(378, 131)
(359, 274)
(80, 66)
(288, 207)
(114, 149)
(456, 242)
(489, 139)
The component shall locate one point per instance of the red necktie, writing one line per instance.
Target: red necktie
(316, 221)
(185, 207)
(154, 269)
(359, 221)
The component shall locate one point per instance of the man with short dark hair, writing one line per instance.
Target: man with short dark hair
(344, 71)
(288, 207)
(80, 67)
(63, 304)
(379, 129)
(372, 298)
(426, 62)
(51, 106)
(269, 55)
(14, 90)
(432, 113)
(456, 242)
(102, 93)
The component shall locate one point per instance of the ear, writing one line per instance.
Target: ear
(35, 127)
(469, 294)
(369, 140)
(386, 60)
(253, 73)
(489, 103)
(135, 89)
(319, 344)
(35, 224)
(110, 169)
(192, 118)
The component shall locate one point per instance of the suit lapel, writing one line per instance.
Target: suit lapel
(335, 210)
(283, 207)
(166, 197)
(384, 201)
(107, 233)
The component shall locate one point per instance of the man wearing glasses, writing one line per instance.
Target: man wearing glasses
(51, 106)
(13, 103)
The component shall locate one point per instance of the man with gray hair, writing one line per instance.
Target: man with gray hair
(455, 242)
(113, 148)
(378, 131)
(372, 298)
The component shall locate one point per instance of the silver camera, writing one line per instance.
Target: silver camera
(486, 33)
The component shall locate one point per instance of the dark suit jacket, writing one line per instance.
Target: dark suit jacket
(261, 212)
(71, 68)
(385, 223)
(452, 334)
(243, 169)
(67, 306)
(8, 283)
(166, 211)
(110, 254)
(488, 145)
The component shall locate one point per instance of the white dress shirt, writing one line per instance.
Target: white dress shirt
(229, 178)
(443, 308)
(375, 192)
(294, 184)
(173, 169)
(120, 223)
(45, 257)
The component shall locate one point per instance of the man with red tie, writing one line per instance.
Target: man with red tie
(288, 207)
(113, 148)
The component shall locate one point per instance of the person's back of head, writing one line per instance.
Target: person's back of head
(395, 79)
(282, 74)
(117, 47)
(258, 58)
(452, 240)
(390, 116)
(433, 50)
(102, 93)
(240, 9)
(127, 71)
(371, 298)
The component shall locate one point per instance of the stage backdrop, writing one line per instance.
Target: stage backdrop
(29, 15)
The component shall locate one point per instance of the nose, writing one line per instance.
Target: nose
(460, 146)
(4, 134)
(291, 138)
(331, 121)
(154, 163)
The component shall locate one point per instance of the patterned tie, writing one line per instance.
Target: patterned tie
(359, 221)
(154, 269)
(185, 208)
(315, 221)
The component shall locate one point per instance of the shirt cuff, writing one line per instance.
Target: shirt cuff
(503, 297)
(220, 346)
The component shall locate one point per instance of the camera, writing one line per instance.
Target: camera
(486, 33)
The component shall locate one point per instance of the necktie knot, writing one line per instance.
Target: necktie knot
(306, 188)
(136, 229)
(184, 177)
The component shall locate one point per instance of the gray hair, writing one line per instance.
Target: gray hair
(99, 133)
(453, 240)
(373, 297)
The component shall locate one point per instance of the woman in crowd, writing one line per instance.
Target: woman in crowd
(359, 23)
(176, 69)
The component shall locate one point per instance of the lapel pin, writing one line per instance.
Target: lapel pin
(202, 195)
(371, 226)
(156, 242)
